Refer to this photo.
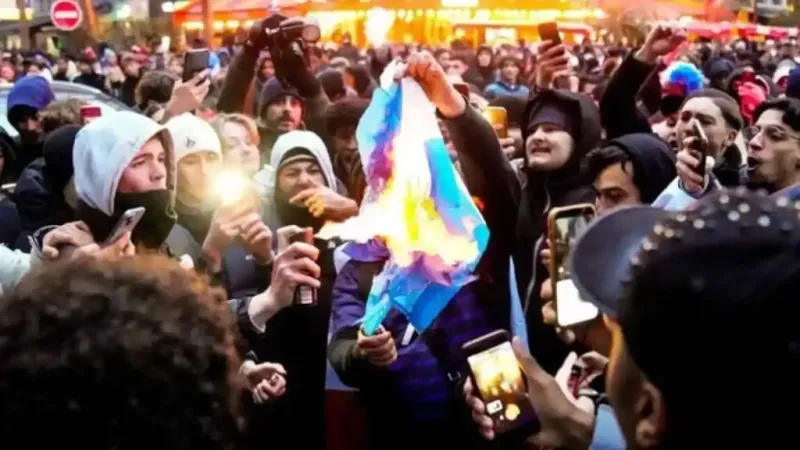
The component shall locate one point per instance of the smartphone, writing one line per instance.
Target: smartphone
(564, 226)
(304, 295)
(500, 383)
(89, 113)
(127, 222)
(194, 61)
(702, 147)
(498, 117)
(548, 31)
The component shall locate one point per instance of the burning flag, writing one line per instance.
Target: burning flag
(416, 213)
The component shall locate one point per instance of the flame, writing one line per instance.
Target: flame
(403, 215)
(408, 223)
(479, 203)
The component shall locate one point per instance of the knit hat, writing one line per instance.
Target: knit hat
(32, 92)
(191, 134)
(272, 90)
(555, 113)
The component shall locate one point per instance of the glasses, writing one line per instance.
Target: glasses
(772, 132)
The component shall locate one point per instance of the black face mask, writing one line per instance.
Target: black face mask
(31, 137)
(291, 214)
(152, 230)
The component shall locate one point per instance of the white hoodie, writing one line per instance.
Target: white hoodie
(105, 147)
(308, 140)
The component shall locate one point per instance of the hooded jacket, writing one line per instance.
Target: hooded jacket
(542, 192)
(267, 178)
(653, 163)
(103, 150)
(31, 92)
(301, 353)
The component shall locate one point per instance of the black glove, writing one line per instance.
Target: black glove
(292, 68)
(257, 38)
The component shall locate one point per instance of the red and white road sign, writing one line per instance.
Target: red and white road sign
(66, 15)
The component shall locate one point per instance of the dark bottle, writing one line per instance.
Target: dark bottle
(304, 295)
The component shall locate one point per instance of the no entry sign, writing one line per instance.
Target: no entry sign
(66, 14)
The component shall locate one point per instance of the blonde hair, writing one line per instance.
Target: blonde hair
(218, 123)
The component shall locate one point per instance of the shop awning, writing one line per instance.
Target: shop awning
(237, 9)
(12, 26)
(564, 27)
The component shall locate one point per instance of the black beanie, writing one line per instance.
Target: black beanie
(273, 89)
(296, 154)
(550, 113)
(57, 151)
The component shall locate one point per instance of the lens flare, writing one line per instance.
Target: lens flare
(230, 187)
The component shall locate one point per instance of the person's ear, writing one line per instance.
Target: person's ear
(651, 412)
(732, 135)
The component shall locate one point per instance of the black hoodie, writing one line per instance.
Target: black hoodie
(542, 192)
(653, 163)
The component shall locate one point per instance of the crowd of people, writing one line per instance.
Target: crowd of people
(184, 331)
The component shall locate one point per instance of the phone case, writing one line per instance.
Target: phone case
(552, 243)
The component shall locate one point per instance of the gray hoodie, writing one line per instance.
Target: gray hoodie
(103, 150)
(267, 177)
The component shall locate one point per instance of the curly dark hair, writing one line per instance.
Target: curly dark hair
(131, 354)
(345, 113)
(155, 86)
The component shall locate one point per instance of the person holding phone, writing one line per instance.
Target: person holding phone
(186, 96)
(135, 168)
(229, 241)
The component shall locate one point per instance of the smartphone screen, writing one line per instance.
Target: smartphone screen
(567, 225)
(499, 380)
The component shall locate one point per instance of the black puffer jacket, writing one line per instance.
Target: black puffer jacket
(38, 204)
(39, 193)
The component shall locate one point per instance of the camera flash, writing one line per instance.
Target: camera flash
(229, 187)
